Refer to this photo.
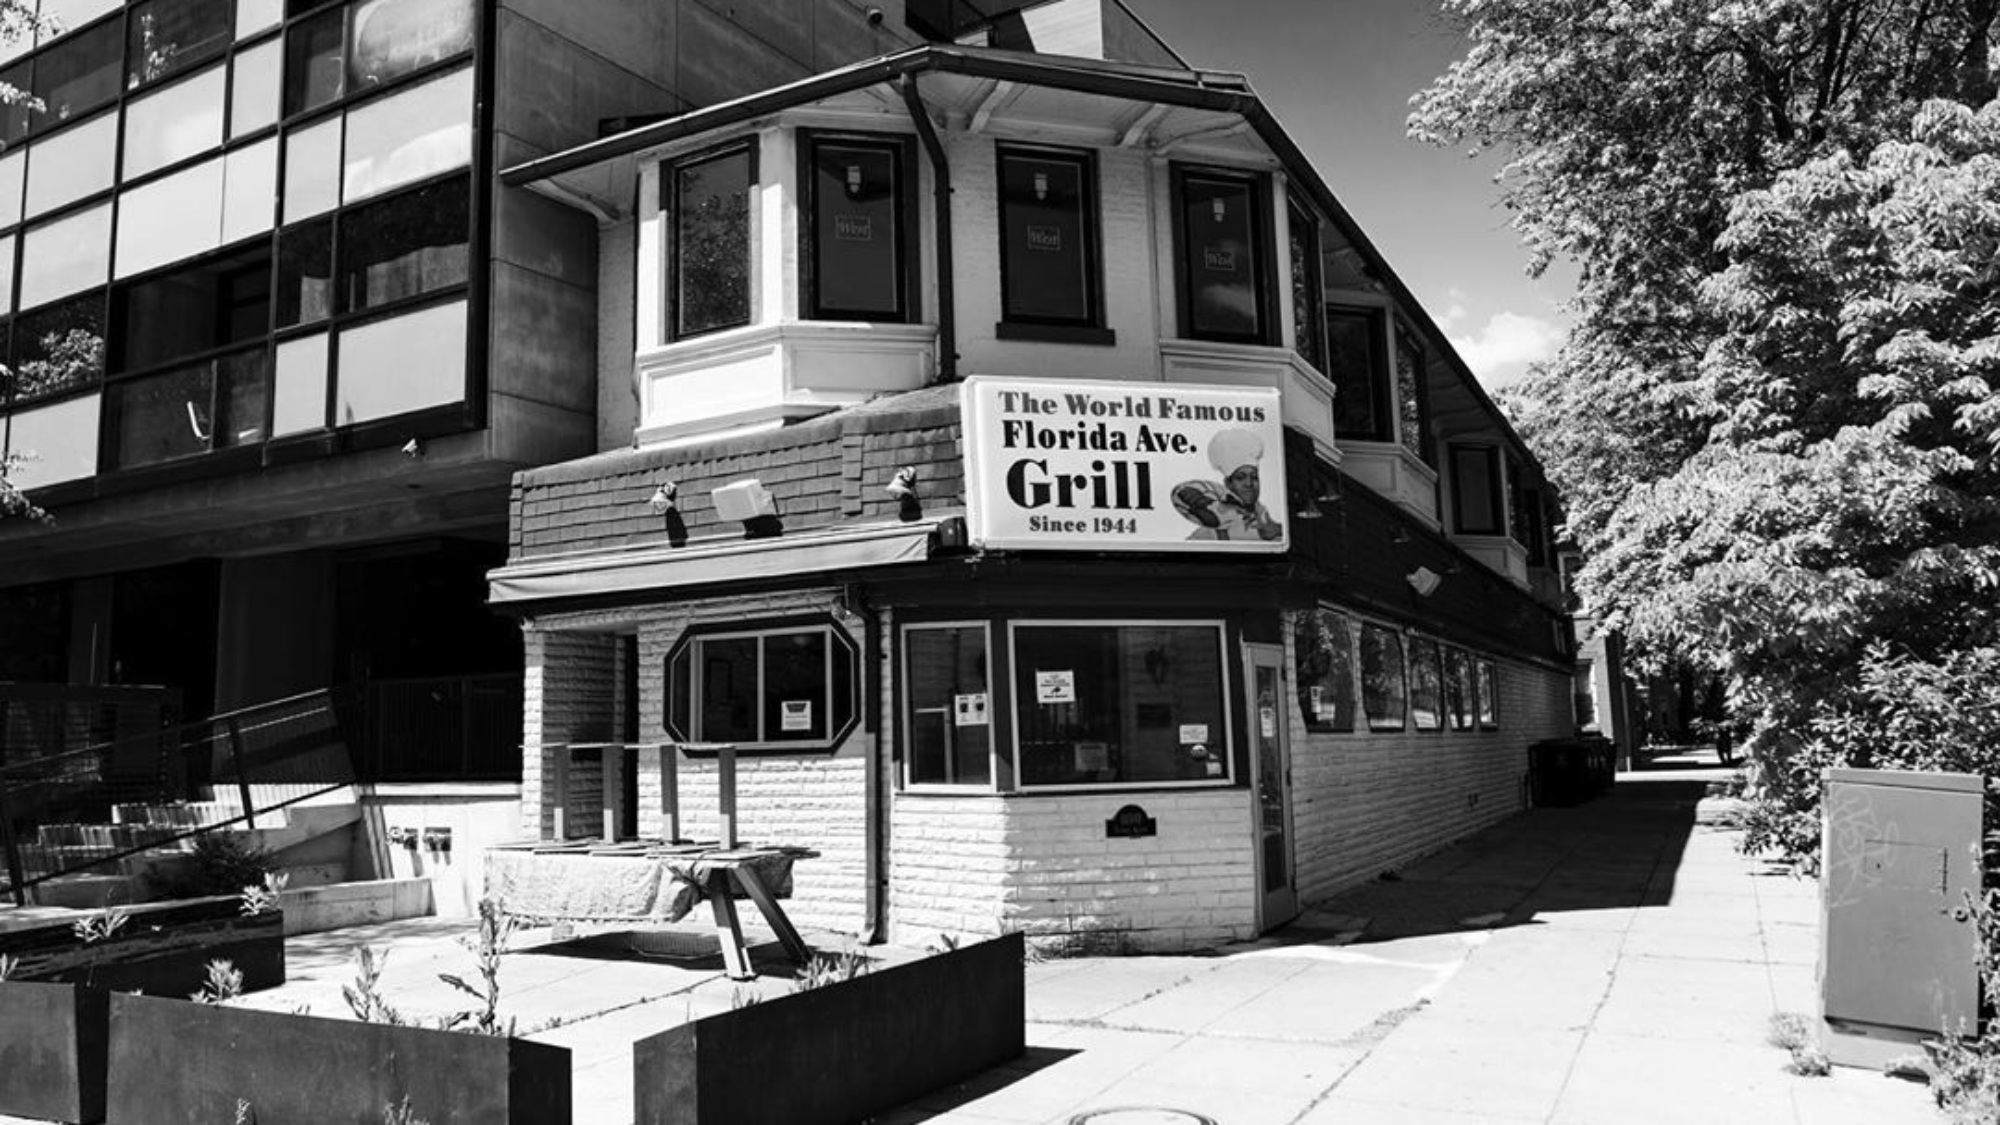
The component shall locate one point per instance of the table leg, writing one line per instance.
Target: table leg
(729, 931)
(773, 914)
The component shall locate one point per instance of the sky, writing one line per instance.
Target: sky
(1339, 75)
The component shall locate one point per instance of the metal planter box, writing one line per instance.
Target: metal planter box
(52, 1051)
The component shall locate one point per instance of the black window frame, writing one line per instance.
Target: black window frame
(902, 155)
(686, 726)
(1257, 186)
(670, 207)
(1397, 666)
(1319, 657)
(213, 48)
(1433, 670)
(1090, 327)
(1494, 494)
(1378, 388)
(908, 711)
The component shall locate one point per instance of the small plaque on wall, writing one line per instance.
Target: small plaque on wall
(1131, 822)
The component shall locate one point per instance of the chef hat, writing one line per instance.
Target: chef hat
(1230, 450)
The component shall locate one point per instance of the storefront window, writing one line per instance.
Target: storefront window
(1222, 256)
(856, 231)
(1489, 700)
(1120, 704)
(1382, 686)
(949, 725)
(1460, 692)
(709, 201)
(1426, 685)
(1359, 368)
(1326, 655)
(1048, 238)
(789, 688)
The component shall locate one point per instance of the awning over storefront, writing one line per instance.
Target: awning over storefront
(610, 573)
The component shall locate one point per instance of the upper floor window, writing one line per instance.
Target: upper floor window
(78, 74)
(1308, 327)
(1412, 397)
(1222, 225)
(369, 42)
(164, 37)
(858, 229)
(1049, 272)
(708, 204)
(1358, 363)
(1475, 490)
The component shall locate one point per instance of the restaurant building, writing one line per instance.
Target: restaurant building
(1014, 450)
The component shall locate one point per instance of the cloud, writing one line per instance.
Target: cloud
(1500, 352)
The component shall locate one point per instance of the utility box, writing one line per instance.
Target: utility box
(1899, 956)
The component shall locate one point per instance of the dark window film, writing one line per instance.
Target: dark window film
(1119, 704)
(949, 725)
(164, 37)
(1307, 323)
(1048, 238)
(1426, 684)
(194, 309)
(709, 199)
(305, 273)
(1326, 656)
(15, 117)
(1359, 367)
(60, 346)
(857, 231)
(390, 38)
(1475, 489)
(315, 72)
(1384, 697)
(405, 245)
(1222, 258)
(78, 74)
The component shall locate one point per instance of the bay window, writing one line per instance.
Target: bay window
(1475, 490)
(1049, 272)
(1120, 704)
(1222, 227)
(1412, 398)
(857, 229)
(1358, 363)
(707, 200)
(948, 711)
(777, 688)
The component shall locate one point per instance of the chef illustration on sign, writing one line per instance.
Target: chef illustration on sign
(1229, 510)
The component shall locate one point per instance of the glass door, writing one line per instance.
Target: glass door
(1271, 767)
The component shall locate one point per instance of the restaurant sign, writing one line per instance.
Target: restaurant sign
(1102, 466)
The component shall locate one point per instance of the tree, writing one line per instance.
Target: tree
(13, 504)
(1778, 419)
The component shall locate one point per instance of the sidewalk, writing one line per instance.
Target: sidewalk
(1613, 963)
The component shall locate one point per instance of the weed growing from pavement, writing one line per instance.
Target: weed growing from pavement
(1792, 1032)
(364, 997)
(822, 970)
(400, 1113)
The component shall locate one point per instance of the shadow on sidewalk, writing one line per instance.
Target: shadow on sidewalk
(1618, 851)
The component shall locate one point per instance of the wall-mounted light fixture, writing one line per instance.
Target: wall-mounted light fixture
(413, 448)
(903, 486)
(744, 500)
(1306, 510)
(1424, 581)
(662, 500)
(1398, 535)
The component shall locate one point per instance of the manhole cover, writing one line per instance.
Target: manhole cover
(1140, 1115)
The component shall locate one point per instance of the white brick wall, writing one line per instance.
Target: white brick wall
(569, 694)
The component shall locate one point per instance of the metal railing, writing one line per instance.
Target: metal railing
(465, 728)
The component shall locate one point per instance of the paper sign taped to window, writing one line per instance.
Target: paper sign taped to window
(1194, 732)
(795, 714)
(1318, 695)
(970, 709)
(1093, 756)
(1267, 721)
(1055, 687)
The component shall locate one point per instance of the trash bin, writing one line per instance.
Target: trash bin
(1562, 771)
(1899, 950)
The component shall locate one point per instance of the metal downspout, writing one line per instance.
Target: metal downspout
(947, 367)
(875, 782)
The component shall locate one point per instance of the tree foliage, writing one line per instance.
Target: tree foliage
(1778, 419)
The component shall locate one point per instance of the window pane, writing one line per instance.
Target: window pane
(1326, 670)
(62, 438)
(253, 16)
(728, 668)
(305, 273)
(1458, 688)
(394, 37)
(165, 37)
(1354, 362)
(401, 364)
(249, 190)
(170, 219)
(65, 16)
(174, 124)
(253, 94)
(1122, 704)
(217, 404)
(1382, 689)
(1305, 288)
(76, 163)
(1472, 490)
(680, 694)
(300, 399)
(315, 73)
(711, 208)
(795, 687)
(199, 308)
(6, 284)
(1047, 209)
(78, 74)
(857, 242)
(59, 347)
(1489, 699)
(950, 728)
(13, 173)
(1220, 258)
(1409, 397)
(400, 247)
(312, 170)
(415, 134)
(72, 253)
(15, 117)
(1426, 685)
